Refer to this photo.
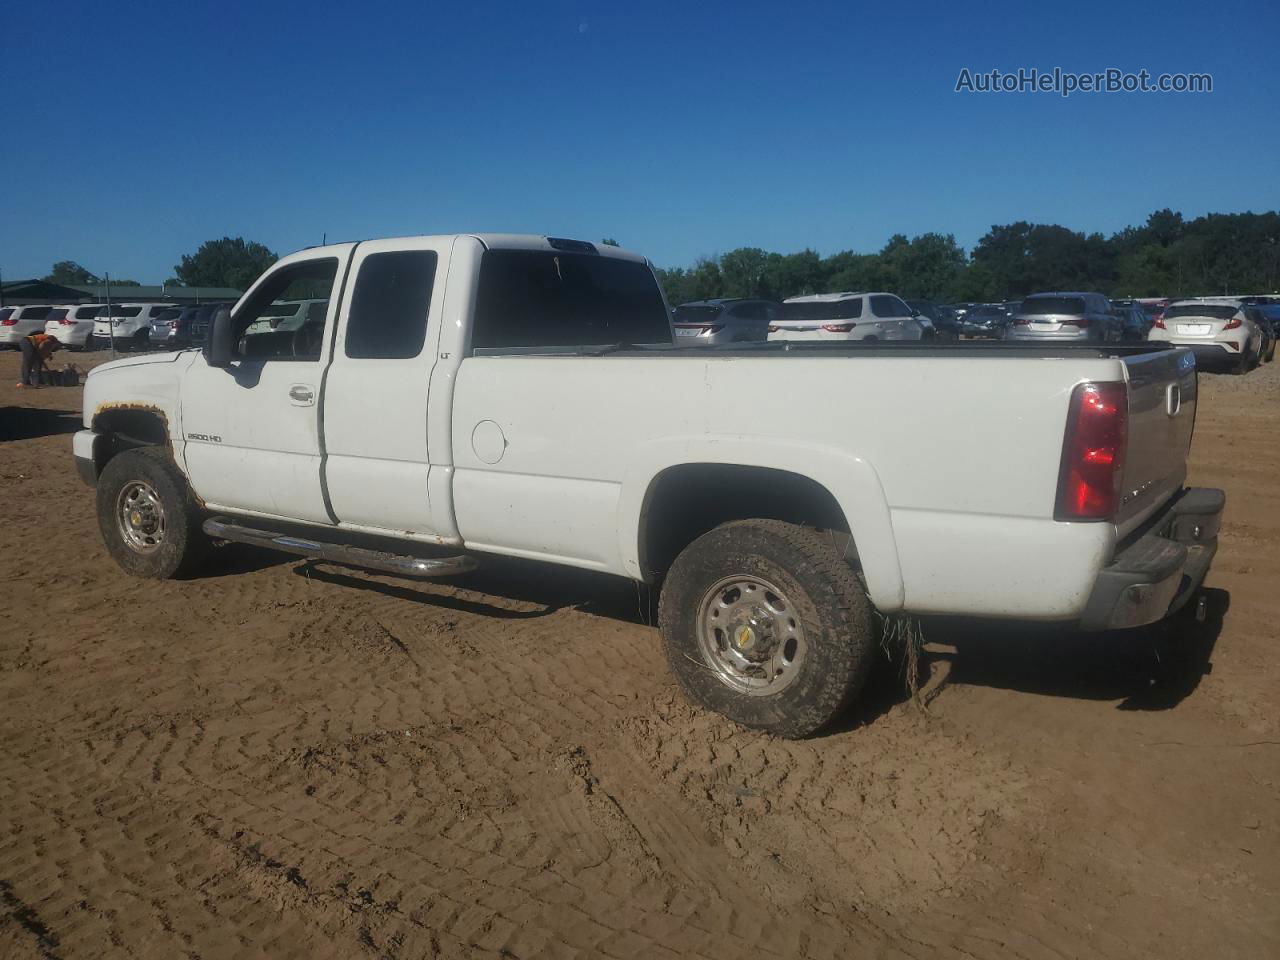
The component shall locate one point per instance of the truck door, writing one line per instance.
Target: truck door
(252, 430)
(374, 409)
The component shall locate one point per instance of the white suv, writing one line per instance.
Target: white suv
(23, 321)
(846, 316)
(130, 323)
(72, 325)
(1218, 330)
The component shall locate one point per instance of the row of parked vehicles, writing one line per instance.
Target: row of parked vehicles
(89, 326)
(1237, 331)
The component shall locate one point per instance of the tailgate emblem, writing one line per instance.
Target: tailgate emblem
(1173, 400)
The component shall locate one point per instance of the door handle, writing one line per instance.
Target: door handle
(302, 395)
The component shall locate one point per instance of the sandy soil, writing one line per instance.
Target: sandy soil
(285, 760)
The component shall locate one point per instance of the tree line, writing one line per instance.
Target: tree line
(1167, 256)
(228, 262)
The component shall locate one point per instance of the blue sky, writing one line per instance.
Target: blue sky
(135, 131)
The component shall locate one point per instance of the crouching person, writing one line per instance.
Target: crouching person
(37, 350)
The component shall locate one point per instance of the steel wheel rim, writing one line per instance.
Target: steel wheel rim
(750, 635)
(140, 517)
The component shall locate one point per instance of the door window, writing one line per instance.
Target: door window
(281, 294)
(388, 318)
(885, 305)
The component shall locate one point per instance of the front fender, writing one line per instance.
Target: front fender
(851, 481)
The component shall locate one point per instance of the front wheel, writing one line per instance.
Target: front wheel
(766, 623)
(149, 520)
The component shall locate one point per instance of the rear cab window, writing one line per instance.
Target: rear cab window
(551, 298)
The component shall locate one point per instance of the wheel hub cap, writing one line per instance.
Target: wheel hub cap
(140, 517)
(750, 635)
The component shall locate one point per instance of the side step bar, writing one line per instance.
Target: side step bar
(221, 528)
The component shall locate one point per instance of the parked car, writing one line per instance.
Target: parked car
(1074, 317)
(1270, 327)
(987, 321)
(128, 323)
(1154, 308)
(716, 322)
(72, 325)
(777, 516)
(180, 335)
(846, 316)
(1133, 320)
(942, 319)
(21, 321)
(1010, 308)
(1216, 329)
(162, 326)
(201, 320)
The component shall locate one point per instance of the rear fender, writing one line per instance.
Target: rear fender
(851, 481)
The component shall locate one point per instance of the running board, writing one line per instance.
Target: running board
(403, 566)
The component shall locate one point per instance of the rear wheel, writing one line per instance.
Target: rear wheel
(149, 520)
(766, 623)
(1244, 364)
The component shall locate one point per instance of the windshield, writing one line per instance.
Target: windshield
(1040, 306)
(986, 312)
(1217, 311)
(820, 311)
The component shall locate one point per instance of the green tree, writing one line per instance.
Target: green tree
(610, 242)
(229, 262)
(70, 273)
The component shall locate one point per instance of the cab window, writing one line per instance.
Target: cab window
(261, 333)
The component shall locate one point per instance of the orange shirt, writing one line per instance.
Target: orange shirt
(45, 344)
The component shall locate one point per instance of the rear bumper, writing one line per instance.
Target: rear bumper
(1153, 576)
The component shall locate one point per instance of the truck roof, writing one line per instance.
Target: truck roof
(519, 241)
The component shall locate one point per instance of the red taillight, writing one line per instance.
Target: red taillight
(67, 322)
(1159, 322)
(1021, 322)
(1232, 323)
(1081, 322)
(838, 327)
(9, 322)
(1093, 452)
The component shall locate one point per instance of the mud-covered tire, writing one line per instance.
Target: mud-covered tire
(148, 477)
(832, 612)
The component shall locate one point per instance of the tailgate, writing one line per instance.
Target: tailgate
(1162, 410)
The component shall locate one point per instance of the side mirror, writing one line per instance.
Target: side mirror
(221, 346)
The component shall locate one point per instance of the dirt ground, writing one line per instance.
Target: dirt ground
(286, 760)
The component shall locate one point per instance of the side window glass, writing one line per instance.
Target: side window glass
(388, 318)
(883, 305)
(264, 333)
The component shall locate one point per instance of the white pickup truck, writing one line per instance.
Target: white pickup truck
(469, 395)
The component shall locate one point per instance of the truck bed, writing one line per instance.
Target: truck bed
(853, 348)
